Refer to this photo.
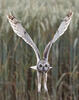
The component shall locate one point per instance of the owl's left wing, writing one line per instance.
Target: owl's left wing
(20, 31)
(62, 28)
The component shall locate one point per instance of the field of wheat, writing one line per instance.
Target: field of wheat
(41, 19)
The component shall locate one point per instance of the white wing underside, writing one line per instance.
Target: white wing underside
(20, 31)
(62, 28)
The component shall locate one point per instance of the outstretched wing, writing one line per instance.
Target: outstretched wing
(62, 28)
(20, 31)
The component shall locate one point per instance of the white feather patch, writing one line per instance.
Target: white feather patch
(34, 67)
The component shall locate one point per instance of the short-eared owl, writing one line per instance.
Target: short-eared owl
(42, 66)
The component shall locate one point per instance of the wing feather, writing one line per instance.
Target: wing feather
(21, 32)
(62, 28)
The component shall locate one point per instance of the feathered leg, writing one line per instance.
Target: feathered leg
(39, 76)
(45, 82)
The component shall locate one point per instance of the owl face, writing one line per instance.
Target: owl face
(43, 66)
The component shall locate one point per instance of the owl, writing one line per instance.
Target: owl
(42, 66)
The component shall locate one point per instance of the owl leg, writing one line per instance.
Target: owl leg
(45, 82)
(39, 81)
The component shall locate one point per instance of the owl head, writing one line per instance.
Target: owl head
(43, 66)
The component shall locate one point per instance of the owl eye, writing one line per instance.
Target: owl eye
(46, 65)
(40, 65)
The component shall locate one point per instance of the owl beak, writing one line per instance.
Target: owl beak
(43, 68)
(34, 67)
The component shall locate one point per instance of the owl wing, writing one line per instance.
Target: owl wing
(62, 28)
(20, 31)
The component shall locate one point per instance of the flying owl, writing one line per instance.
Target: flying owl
(42, 66)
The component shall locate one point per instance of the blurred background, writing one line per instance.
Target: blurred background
(41, 19)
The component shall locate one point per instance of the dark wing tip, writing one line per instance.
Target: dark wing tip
(70, 14)
(10, 17)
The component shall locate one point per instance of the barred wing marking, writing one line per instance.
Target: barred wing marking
(20, 31)
(62, 28)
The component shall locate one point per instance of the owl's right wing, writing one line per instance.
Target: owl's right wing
(62, 28)
(20, 31)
